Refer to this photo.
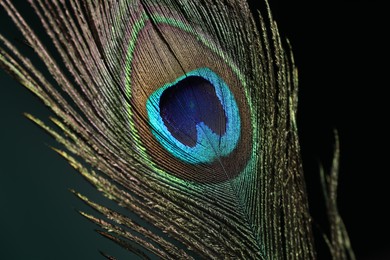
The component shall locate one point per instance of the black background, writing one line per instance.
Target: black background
(340, 50)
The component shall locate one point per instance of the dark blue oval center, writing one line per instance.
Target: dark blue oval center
(186, 104)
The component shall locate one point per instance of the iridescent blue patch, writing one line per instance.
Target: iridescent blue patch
(196, 117)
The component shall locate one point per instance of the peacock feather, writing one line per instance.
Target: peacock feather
(183, 112)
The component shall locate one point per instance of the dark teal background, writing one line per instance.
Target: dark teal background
(38, 218)
(339, 47)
